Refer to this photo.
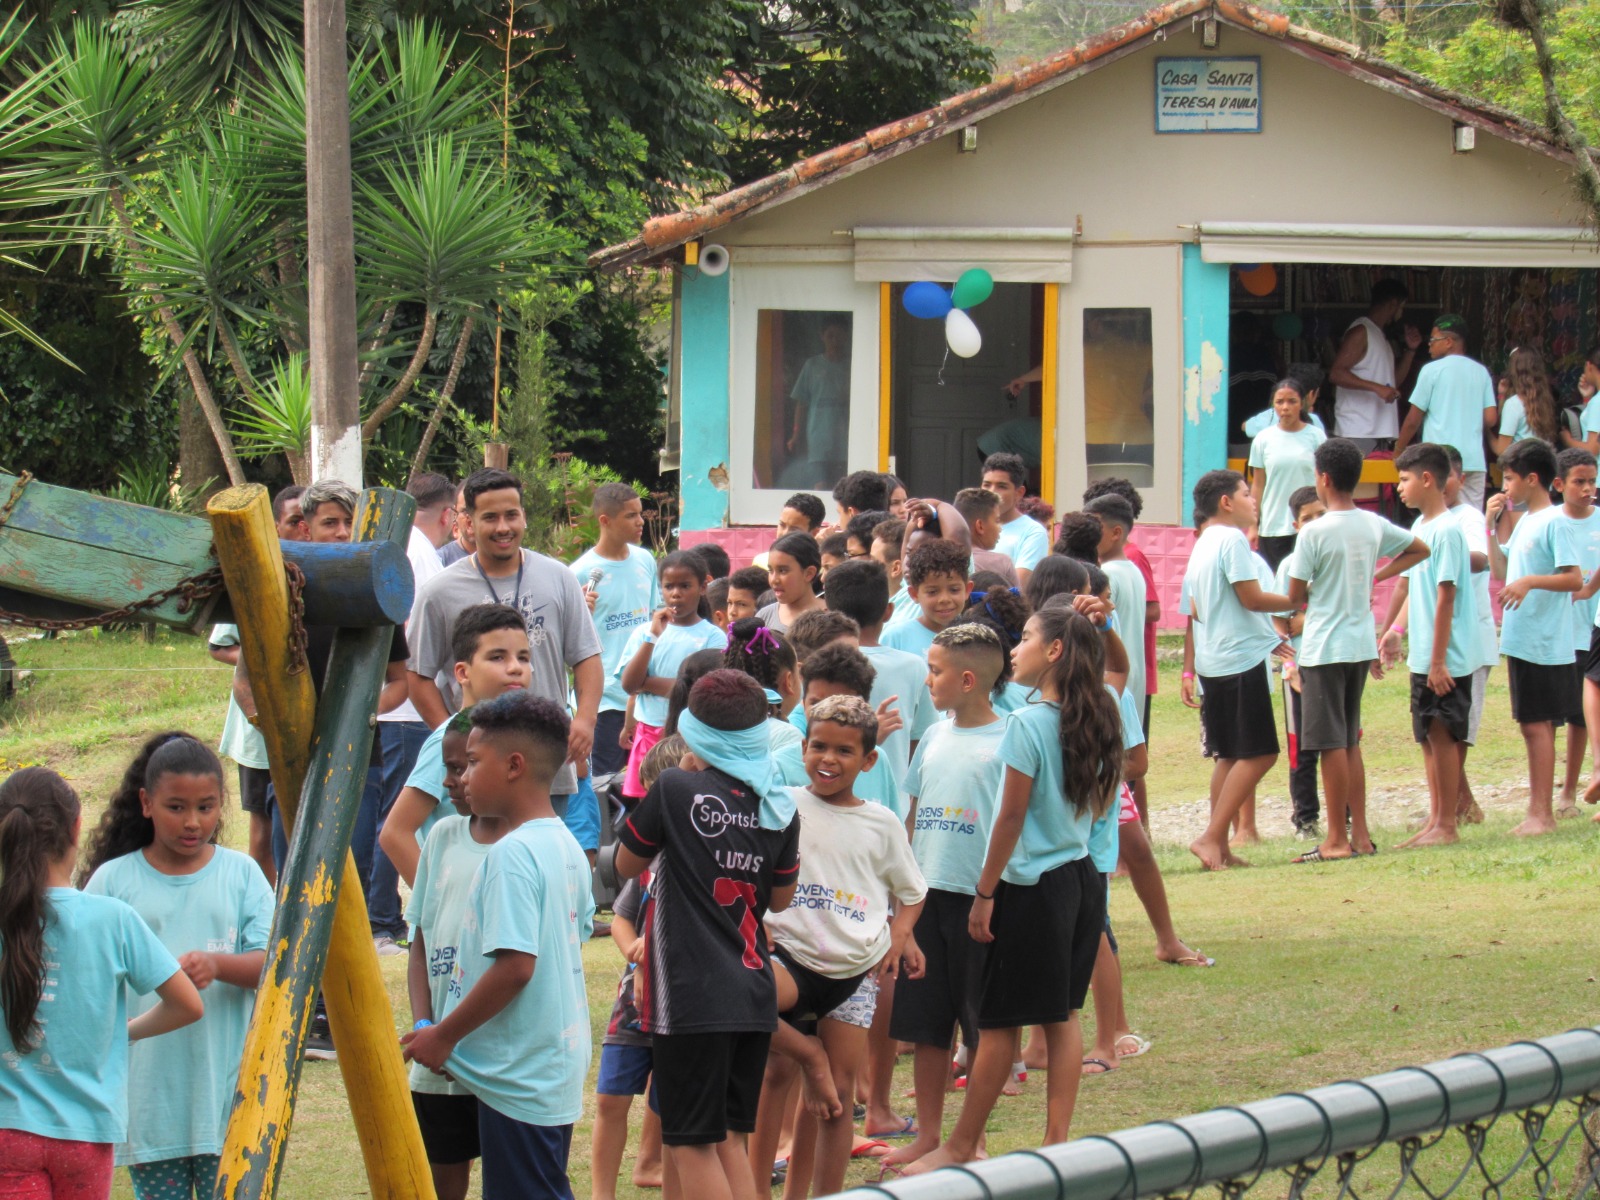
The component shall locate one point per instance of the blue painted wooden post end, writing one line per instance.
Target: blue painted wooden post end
(703, 368)
(1205, 371)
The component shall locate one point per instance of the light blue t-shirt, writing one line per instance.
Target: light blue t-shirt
(1228, 637)
(73, 1084)
(1336, 555)
(185, 1079)
(1454, 391)
(674, 645)
(1269, 416)
(1105, 843)
(626, 595)
(241, 741)
(427, 776)
(1053, 832)
(877, 785)
(781, 733)
(905, 608)
(906, 676)
(1280, 584)
(438, 907)
(955, 775)
(1589, 419)
(910, 636)
(1128, 597)
(824, 388)
(1486, 638)
(1539, 630)
(1586, 541)
(1012, 697)
(1024, 541)
(1514, 420)
(1448, 561)
(532, 895)
(1289, 460)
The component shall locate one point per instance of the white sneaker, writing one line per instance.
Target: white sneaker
(385, 946)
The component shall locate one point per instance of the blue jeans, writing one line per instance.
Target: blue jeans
(362, 840)
(401, 742)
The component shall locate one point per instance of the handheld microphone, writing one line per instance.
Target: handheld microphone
(596, 574)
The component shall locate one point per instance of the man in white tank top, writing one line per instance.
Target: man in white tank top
(1364, 372)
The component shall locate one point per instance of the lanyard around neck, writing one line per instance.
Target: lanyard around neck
(516, 600)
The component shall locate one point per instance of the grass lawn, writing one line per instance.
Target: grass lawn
(1323, 973)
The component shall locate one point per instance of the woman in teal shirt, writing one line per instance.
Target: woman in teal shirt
(1282, 460)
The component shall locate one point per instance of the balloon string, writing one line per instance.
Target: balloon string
(942, 363)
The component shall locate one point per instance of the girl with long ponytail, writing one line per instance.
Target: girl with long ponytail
(67, 964)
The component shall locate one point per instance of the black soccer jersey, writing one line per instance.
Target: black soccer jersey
(705, 968)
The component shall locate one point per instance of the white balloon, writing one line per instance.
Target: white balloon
(961, 334)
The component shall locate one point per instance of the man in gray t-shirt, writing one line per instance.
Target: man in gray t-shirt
(560, 632)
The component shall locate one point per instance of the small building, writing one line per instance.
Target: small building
(1207, 190)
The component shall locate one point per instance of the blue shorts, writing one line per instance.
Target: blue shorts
(522, 1161)
(624, 1070)
(582, 816)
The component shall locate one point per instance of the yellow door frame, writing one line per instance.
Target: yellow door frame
(1049, 374)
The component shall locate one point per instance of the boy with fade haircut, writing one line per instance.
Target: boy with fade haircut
(1335, 570)
(888, 548)
(1022, 539)
(746, 586)
(722, 844)
(860, 492)
(1231, 643)
(834, 549)
(936, 582)
(621, 589)
(1575, 480)
(490, 649)
(860, 590)
(981, 511)
(1486, 636)
(858, 897)
(1305, 506)
(1443, 651)
(1534, 553)
(515, 1024)
(715, 560)
(954, 782)
(1129, 596)
(447, 1112)
(838, 668)
(821, 627)
(801, 513)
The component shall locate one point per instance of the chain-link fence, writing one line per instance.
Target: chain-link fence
(1518, 1123)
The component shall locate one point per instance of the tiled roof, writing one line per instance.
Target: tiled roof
(666, 233)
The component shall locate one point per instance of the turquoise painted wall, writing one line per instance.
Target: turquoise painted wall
(1205, 371)
(703, 392)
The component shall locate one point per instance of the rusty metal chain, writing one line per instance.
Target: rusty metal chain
(298, 638)
(23, 480)
(196, 589)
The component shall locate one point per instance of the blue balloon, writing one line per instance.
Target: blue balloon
(927, 300)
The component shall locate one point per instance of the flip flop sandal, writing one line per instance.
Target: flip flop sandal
(908, 1130)
(1105, 1067)
(1197, 959)
(1316, 856)
(1140, 1045)
(865, 1150)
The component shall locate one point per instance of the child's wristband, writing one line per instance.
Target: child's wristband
(1188, 674)
(1400, 629)
(980, 895)
(421, 1023)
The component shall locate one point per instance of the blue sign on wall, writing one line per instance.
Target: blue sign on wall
(1208, 95)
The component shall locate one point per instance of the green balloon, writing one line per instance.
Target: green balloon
(972, 289)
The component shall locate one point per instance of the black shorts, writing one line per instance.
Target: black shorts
(1591, 664)
(449, 1127)
(1330, 705)
(707, 1084)
(1540, 692)
(928, 1010)
(1046, 938)
(1147, 699)
(1575, 718)
(819, 994)
(253, 785)
(1236, 715)
(1454, 708)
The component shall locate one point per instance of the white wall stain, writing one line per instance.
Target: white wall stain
(1201, 384)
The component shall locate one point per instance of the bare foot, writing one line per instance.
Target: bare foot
(1212, 858)
(647, 1179)
(1231, 859)
(1566, 812)
(1415, 839)
(818, 1092)
(1035, 1060)
(1245, 837)
(1436, 837)
(901, 1155)
(1534, 826)
(1013, 1086)
(1591, 794)
(942, 1157)
(1470, 815)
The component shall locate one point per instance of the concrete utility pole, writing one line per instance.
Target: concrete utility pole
(331, 249)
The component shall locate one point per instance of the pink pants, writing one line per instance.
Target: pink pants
(41, 1168)
(644, 739)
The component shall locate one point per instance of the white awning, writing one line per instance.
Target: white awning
(904, 254)
(1396, 245)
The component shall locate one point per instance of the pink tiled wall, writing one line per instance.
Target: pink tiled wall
(1166, 546)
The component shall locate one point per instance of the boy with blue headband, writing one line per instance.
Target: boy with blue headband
(723, 847)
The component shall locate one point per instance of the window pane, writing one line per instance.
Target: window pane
(802, 421)
(1118, 372)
